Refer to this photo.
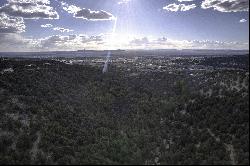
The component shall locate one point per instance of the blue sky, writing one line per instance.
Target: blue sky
(147, 24)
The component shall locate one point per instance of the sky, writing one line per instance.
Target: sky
(63, 25)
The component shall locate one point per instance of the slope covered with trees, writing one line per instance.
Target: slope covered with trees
(56, 113)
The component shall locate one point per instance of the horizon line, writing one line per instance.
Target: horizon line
(197, 49)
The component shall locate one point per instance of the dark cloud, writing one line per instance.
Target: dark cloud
(226, 5)
(29, 9)
(93, 15)
(87, 13)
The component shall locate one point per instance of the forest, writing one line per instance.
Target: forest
(56, 113)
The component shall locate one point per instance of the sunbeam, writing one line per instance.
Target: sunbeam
(105, 68)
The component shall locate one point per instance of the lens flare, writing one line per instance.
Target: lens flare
(105, 68)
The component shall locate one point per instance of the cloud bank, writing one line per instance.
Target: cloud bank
(10, 42)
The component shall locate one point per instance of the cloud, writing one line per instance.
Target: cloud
(47, 26)
(162, 39)
(121, 2)
(11, 24)
(208, 44)
(70, 42)
(93, 15)
(61, 29)
(243, 20)
(17, 42)
(29, 9)
(226, 5)
(140, 41)
(72, 9)
(164, 43)
(87, 14)
(185, 0)
(179, 7)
